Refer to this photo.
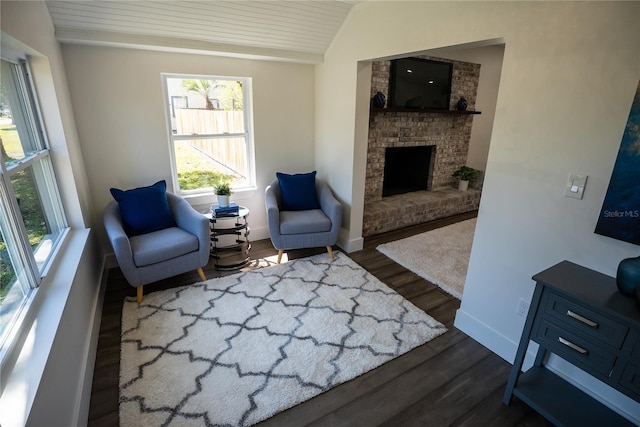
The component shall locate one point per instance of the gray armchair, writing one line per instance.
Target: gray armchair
(160, 254)
(303, 228)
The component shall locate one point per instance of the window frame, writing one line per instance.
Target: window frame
(44, 178)
(248, 134)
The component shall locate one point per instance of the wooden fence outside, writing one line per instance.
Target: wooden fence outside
(230, 152)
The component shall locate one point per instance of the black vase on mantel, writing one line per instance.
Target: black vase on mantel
(462, 104)
(378, 100)
(628, 276)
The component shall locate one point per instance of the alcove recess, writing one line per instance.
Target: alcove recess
(447, 131)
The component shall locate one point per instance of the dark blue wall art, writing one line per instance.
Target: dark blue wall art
(620, 215)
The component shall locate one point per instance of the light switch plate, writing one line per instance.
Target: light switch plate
(575, 186)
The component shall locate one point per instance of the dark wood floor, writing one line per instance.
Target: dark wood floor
(450, 381)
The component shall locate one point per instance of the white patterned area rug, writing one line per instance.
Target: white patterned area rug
(236, 350)
(441, 256)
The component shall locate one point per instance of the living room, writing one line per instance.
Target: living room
(568, 77)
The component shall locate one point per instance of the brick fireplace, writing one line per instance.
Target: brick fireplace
(446, 136)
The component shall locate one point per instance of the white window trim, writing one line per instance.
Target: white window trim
(206, 196)
(23, 369)
(35, 274)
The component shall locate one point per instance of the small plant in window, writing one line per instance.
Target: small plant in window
(222, 189)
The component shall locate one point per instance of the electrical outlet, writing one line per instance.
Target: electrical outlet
(523, 308)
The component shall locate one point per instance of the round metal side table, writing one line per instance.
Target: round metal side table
(230, 243)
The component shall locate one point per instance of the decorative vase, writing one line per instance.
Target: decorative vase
(223, 200)
(463, 185)
(462, 104)
(628, 275)
(378, 100)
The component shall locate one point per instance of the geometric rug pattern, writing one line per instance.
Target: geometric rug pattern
(238, 349)
(440, 256)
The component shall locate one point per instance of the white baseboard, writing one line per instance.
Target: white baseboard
(490, 338)
(259, 233)
(352, 245)
(349, 245)
(86, 382)
(110, 261)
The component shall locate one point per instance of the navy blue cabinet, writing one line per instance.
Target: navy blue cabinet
(579, 315)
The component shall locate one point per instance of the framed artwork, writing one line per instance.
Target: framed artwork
(620, 214)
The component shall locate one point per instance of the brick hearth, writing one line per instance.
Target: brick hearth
(402, 210)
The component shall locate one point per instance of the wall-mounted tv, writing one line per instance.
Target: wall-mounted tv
(420, 83)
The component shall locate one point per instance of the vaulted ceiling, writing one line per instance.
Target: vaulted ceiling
(286, 30)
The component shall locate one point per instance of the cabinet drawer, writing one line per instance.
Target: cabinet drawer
(584, 320)
(573, 348)
(631, 380)
(635, 353)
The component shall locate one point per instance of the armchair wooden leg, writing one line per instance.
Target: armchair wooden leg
(330, 252)
(139, 294)
(201, 273)
(280, 252)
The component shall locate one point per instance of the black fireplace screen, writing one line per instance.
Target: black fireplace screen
(406, 169)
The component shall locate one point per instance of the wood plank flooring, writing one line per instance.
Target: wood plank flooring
(449, 381)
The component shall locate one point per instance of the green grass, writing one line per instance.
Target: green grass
(192, 180)
(196, 170)
(11, 141)
(6, 270)
(24, 187)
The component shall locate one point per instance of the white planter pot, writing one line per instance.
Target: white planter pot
(223, 201)
(463, 185)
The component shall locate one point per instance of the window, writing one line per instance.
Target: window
(210, 131)
(32, 221)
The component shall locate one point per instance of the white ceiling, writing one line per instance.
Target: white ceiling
(287, 30)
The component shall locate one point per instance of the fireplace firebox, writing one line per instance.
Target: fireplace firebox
(406, 169)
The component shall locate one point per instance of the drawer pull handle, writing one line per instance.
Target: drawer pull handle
(582, 319)
(572, 346)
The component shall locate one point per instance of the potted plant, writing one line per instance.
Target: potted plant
(465, 174)
(223, 191)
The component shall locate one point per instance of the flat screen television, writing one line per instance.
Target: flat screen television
(420, 83)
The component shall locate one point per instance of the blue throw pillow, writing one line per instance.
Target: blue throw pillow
(144, 209)
(298, 191)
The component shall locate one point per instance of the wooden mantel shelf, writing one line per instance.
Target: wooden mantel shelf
(422, 110)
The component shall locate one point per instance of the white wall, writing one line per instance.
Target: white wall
(119, 107)
(51, 380)
(570, 70)
(32, 30)
(490, 60)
